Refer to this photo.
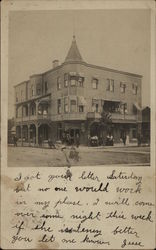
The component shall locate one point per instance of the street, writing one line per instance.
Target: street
(83, 156)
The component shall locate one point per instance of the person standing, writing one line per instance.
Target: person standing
(127, 139)
(40, 141)
(77, 140)
(124, 139)
(88, 140)
(15, 141)
(139, 140)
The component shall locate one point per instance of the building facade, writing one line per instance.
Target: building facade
(146, 117)
(71, 97)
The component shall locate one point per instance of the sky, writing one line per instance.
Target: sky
(118, 39)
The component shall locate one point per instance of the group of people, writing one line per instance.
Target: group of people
(125, 139)
(68, 140)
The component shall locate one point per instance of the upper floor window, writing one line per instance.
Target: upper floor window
(110, 85)
(16, 97)
(59, 106)
(80, 81)
(73, 106)
(122, 87)
(32, 90)
(45, 87)
(58, 83)
(66, 104)
(111, 106)
(135, 89)
(65, 80)
(96, 107)
(21, 95)
(123, 108)
(73, 81)
(81, 108)
(38, 89)
(95, 83)
(33, 110)
(16, 113)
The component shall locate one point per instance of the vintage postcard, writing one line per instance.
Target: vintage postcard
(78, 124)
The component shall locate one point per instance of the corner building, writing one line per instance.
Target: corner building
(71, 96)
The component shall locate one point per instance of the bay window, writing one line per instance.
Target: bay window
(59, 106)
(66, 104)
(73, 106)
(65, 80)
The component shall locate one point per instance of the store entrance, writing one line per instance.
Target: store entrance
(73, 133)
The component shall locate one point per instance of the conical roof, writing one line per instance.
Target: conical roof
(73, 53)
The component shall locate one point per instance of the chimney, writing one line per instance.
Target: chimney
(55, 63)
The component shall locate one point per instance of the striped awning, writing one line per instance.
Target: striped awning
(45, 100)
(137, 106)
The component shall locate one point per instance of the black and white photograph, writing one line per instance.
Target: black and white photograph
(78, 124)
(79, 87)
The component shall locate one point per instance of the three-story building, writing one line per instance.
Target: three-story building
(71, 97)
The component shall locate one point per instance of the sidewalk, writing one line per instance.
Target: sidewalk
(116, 145)
(117, 148)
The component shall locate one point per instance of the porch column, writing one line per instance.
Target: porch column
(36, 125)
(29, 111)
(37, 103)
(22, 135)
(29, 134)
(139, 128)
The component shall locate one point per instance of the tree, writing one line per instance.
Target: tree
(105, 124)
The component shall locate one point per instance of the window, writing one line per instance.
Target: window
(122, 87)
(32, 90)
(21, 95)
(96, 107)
(80, 81)
(112, 106)
(16, 113)
(45, 87)
(16, 97)
(134, 133)
(58, 83)
(81, 108)
(65, 80)
(123, 108)
(38, 89)
(66, 104)
(73, 106)
(32, 110)
(110, 85)
(73, 81)
(95, 83)
(135, 89)
(59, 106)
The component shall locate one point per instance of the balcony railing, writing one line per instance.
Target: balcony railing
(114, 116)
(78, 116)
(69, 117)
(33, 117)
(93, 115)
(43, 116)
(118, 116)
